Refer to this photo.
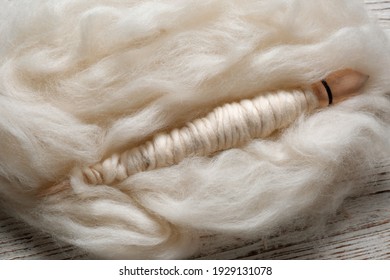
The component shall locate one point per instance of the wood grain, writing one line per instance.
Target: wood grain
(380, 10)
(361, 229)
(20, 241)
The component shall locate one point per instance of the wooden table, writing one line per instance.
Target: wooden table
(361, 229)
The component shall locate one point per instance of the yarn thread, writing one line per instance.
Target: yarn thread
(226, 127)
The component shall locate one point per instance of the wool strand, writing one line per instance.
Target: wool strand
(226, 127)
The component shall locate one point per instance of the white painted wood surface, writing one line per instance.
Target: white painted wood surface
(361, 229)
(380, 10)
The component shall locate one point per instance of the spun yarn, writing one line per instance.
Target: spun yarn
(226, 127)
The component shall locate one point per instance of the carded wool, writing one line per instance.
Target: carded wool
(83, 81)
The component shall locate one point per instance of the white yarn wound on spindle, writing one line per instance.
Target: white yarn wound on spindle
(226, 127)
(82, 80)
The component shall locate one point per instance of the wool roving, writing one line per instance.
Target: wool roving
(82, 81)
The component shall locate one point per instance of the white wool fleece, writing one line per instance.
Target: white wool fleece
(81, 80)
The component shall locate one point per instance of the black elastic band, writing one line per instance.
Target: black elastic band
(328, 91)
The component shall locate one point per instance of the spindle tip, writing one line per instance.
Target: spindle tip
(338, 86)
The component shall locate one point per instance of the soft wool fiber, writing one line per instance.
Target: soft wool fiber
(83, 80)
